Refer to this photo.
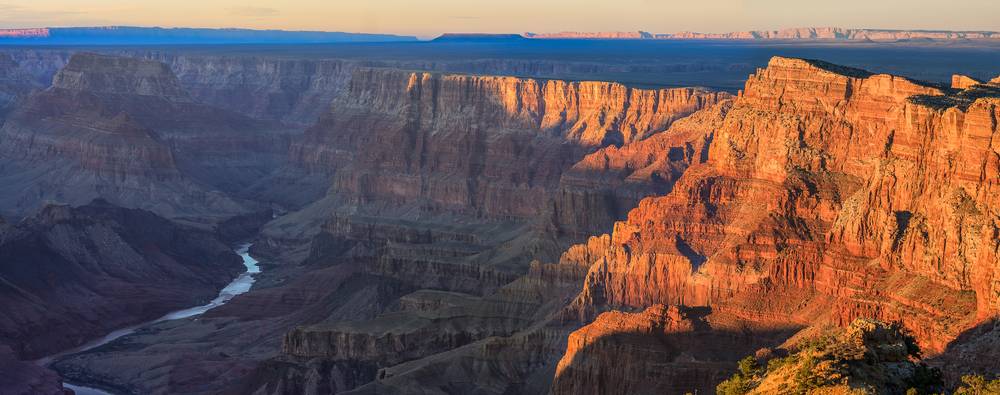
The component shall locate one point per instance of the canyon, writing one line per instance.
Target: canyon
(94, 267)
(426, 230)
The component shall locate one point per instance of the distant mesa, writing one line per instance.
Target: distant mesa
(963, 82)
(804, 33)
(478, 37)
(24, 33)
(638, 35)
(130, 35)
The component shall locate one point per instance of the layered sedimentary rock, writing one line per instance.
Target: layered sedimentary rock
(604, 185)
(487, 146)
(124, 129)
(72, 274)
(744, 235)
(819, 195)
(503, 336)
(296, 91)
(440, 186)
(829, 194)
(963, 82)
(409, 254)
(441, 182)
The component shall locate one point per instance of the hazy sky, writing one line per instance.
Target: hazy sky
(430, 17)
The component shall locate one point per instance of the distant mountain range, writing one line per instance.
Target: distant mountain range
(129, 35)
(806, 33)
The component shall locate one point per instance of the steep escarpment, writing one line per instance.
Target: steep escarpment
(603, 186)
(72, 274)
(828, 194)
(441, 184)
(119, 75)
(444, 181)
(123, 129)
(296, 91)
(487, 146)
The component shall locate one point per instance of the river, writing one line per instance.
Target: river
(240, 285)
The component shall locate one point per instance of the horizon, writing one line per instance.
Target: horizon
(521, 33)
(431, 18)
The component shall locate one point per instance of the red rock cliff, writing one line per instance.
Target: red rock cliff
(859, 194)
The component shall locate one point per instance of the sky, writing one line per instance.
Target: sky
(428, 18)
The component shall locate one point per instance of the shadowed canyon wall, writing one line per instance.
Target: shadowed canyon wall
(124, 130)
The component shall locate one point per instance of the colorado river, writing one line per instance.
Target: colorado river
(240, 285)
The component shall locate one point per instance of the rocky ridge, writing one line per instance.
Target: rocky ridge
(124, 129)
(496, 129)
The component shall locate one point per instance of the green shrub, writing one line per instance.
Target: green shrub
(747, 375)
(978, 385)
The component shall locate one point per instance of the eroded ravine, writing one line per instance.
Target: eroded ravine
(240, 285)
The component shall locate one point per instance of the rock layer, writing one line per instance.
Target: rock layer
(829, 194)
(124, 129)
(486, 146)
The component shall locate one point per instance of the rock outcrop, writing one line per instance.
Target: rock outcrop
(828, 194)
(832, 168)
(604, 185)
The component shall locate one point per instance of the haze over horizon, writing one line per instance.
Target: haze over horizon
(432, 17)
